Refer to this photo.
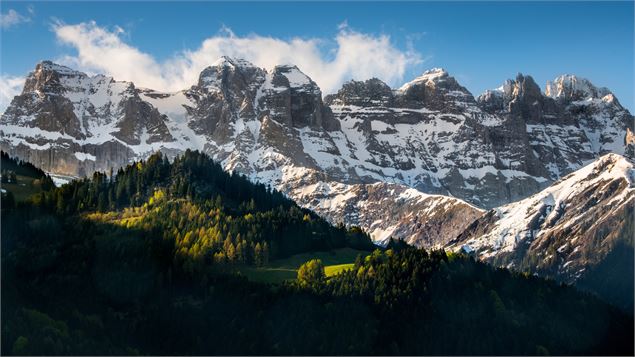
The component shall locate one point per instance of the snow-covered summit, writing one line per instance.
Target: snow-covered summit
(226, 71)
(52, 77)
(431, 75)
(504, 91)
(571, 87)
(48, 65)
(294, 75)
(227, 61)
(64, 104)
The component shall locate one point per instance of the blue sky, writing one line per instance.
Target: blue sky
(481, 44)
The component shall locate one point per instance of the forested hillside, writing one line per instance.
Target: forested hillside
(143, 262)
(208, 214)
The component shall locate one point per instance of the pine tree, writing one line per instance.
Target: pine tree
(240, 251)
(59, 203)
(111, 198)
(265, 253)
(102, 202)
(229, 248)
(258, 255)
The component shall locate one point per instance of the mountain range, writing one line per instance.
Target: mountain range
(521, 177)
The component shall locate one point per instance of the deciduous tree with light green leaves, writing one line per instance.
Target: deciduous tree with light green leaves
(311, 273)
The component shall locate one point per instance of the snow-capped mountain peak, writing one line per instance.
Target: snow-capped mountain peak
(48, 77)
(506, 88)
(503, 92)
(429, 76)
(294, 75)
(362, 93)
(47, 65)
(227, 61)
(222, 73)
(569, 87)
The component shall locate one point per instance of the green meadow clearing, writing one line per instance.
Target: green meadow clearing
(277, 271)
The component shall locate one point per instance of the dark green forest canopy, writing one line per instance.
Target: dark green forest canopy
(136, 263)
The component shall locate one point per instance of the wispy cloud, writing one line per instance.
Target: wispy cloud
(328, 61)
(10, 86)
(14, 18)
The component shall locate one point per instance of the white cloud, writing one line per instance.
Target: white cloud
(329, 62)
(13, 18)
(103, 51)
(9, 87)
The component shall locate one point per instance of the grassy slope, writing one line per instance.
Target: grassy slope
(285, 269)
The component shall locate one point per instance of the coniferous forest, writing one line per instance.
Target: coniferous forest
(148, 259)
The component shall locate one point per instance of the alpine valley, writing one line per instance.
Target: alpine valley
(530, 180)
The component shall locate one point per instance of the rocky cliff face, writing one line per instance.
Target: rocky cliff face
(561, 130)
(368, 140)
(431, 134)
(70, 123)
